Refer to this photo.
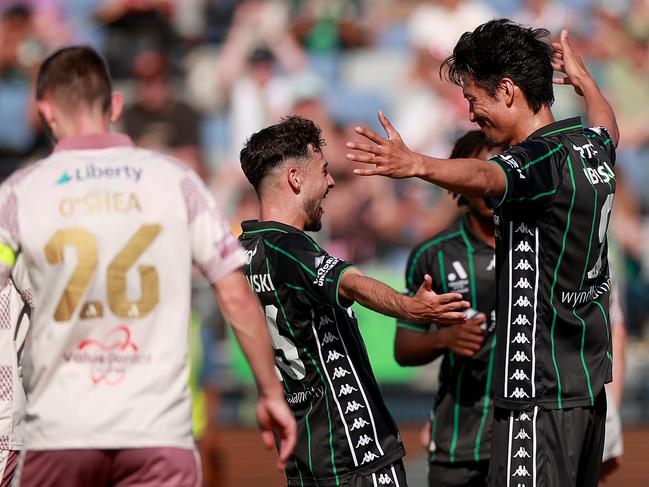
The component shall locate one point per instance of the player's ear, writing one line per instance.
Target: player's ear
(294, 179)
(116, 106)
(46, 110)
(507, 88)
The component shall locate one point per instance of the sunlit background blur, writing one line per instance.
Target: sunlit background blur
(200, 76)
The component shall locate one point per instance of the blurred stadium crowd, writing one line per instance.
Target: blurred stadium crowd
(200, 76)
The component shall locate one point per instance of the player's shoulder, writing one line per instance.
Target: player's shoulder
(450, 236)
(21, 176)
(287, 238)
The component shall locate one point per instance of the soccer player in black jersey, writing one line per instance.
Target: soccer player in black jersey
(552, 191)
(346, 435)
(461, 259)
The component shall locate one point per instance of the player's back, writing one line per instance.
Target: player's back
(106, 237)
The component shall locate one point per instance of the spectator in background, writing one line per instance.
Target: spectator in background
(158, 120)
(549, 14)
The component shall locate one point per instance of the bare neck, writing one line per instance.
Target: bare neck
(531, 123)
(281, 210)
(83, 123)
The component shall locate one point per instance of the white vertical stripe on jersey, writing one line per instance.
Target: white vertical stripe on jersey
(509, 316)
(333, 393)
(509, 448)
(362, 391)
(536, 410)
(536, 292)
(396, 480)
(374, 479)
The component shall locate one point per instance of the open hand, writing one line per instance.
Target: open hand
(466, 339)
(273, 414)
(443, 309)
(390, 156)
(565, 60)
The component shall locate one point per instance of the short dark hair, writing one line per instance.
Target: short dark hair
(75, 75)
(471, 143)
(503, 49)
(268, 148)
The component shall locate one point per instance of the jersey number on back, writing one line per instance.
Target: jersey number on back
(85, 245)
(287, 358)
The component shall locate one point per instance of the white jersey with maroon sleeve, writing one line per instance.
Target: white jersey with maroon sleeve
(109, 234)
(14, 325)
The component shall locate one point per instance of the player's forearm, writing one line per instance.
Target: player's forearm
(418, 350)
(600, 112)
(471, 177)
(619, 339)
(373, 294)
(242, 310)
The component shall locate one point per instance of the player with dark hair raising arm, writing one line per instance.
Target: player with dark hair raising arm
(460, 259)
(346, 435)
(552, 191)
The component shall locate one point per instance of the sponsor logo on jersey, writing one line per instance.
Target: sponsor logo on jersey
(110, 358)
(511, 162)
(323, 269)
(574, 298)
(458, 281)
(303, 396)
(93, 172)
(602, 174)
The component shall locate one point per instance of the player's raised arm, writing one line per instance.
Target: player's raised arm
(240, 307)
(566, 61)
(426, 305)
(392, 157)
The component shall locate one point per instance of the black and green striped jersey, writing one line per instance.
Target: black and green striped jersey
(343, 423)
(459, 261)
(551, 268)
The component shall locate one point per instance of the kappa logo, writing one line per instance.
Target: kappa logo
(523, 228)
(492, 263)
(521, 320)
(328, 338)
(524, 265)
(519, 393)
(324, 321)
(339, 373)
(346, 390)
(334, 355)
(523, 246)
(519, 356)
(523, 301)
(519, 338)
(353, 406)
(519, 374)
(523, 283)
(368, 457)
(522, 453)
(523, 417)
(364, 441)
(521, 471)
(522, 435)
(384, 479)
(358, 424)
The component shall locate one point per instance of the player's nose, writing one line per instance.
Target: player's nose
(330, 181)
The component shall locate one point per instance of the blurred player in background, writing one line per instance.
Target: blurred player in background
(346, 435)
(109, 233)
(15, 309)
(553, 193)
(459, 259)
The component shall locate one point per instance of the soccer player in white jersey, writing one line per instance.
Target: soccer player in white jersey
(109, 233)
(14, 323)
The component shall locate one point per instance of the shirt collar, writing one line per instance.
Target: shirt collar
(249, 226)
(566, 125)
(94, 141)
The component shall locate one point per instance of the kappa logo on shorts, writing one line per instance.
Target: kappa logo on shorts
(522, 453)
(521, 320)
(524, 265)
(334, 355)
(339, 372)
(346, 390)
(523, 246)
(521, 471)
(519, 374)
(353, 406)
(519, 393)
(520, 338)
(523, 228)
(358, 424)
(522, 435)
(523, 283)
(328, 338)
(364, 441)
(524, 417)
(368, 457)
(384, 479)
(519, 356)
(523, 301)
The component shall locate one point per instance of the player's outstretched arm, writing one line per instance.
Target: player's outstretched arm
(240, 307)
(417, 348)
(426, 305)
(566, 61)
(392, 157)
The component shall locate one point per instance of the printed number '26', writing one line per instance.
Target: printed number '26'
(85, 245)
(288, 358)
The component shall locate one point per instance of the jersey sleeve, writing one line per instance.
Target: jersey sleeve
(533, 170)
(215, 250)
(9, 234)
(416, 268)
(308, 269)
(603, 138)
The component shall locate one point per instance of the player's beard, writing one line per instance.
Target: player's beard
(313, 222)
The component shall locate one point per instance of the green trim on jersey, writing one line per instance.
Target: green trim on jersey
(290, 256)
(506, 193)
(581, 354)
(554, 283)
(485, 407)
(539, 159)
(442, 270)
(608, 333)
(340, 275)
(433, 428)
(535, 197)
(319, 372)
(252, 232)
(308, 438)
(469, 251)
(456, 414)
(411, 271)
(563, 129)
